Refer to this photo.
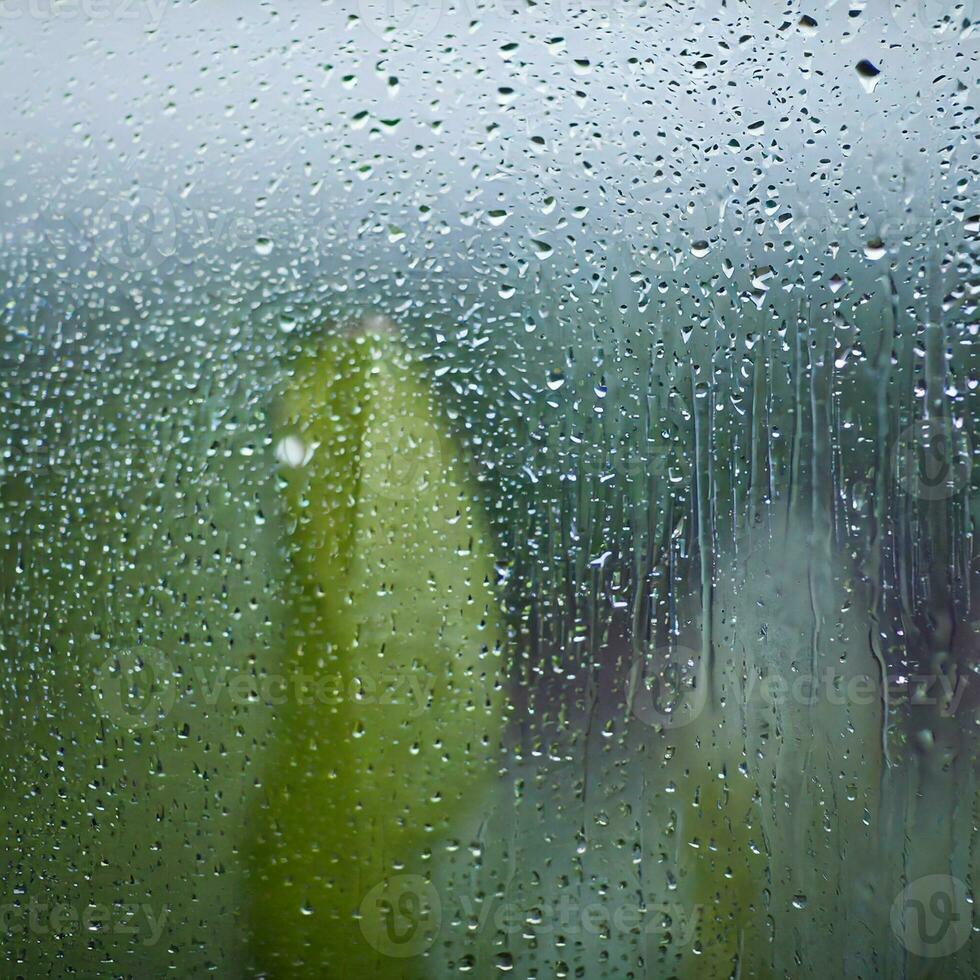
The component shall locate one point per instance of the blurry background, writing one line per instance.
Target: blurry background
(694, 288)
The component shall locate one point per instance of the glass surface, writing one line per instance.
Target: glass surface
(489, 488)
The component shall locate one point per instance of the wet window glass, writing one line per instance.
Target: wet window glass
(489, 488)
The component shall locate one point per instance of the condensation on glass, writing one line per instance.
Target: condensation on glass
(489, 488)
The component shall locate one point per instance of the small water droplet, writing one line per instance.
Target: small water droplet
(868, 73)
(292, 451)
(874, 249)
(555, 380)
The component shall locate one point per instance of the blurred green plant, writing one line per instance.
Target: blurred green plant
(394, 592)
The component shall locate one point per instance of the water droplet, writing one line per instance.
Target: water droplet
(874, 249)
(292, 451)
(868, 73)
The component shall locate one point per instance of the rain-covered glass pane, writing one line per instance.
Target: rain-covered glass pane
(488, 487)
